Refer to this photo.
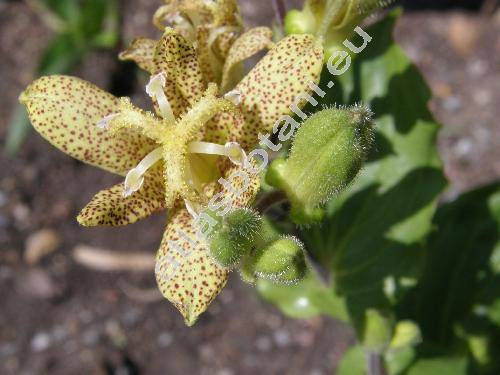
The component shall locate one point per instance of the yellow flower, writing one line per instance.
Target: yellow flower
(214, 28)
(172, 160)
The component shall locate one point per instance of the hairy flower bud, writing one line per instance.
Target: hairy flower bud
(327, 153)
(281, 261)
(233, 237)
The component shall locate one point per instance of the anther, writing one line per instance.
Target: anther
(135, 177)
(155, 90)
(103, 123)
(232, 150)
(234, 96)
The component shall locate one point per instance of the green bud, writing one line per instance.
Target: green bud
(281, 261)
(327, 153)
(233, 237)
(377, 331)
(406, 333)
(297, 22)
(479, 347)
(334, 21)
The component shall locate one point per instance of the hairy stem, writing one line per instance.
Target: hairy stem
(269, 200)
(332, 8)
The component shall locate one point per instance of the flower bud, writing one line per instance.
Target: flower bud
(377, 330)
(327, 153)
(281, 261)
(334, 21)
(233, 237)
(406, 333)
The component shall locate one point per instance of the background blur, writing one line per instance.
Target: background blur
(58, 316)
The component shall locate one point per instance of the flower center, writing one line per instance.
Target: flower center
(179, 141)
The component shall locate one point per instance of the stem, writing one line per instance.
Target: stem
(269, 200)
(375, 364)
(332, 8)
(280, 11)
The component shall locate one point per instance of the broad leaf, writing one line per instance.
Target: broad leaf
(371, 239)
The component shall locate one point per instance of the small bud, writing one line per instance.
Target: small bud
(233, 237)
(281, 261)
(377, 331)
(406, 333)
(297, 22)
(333, 21)
(327, 153)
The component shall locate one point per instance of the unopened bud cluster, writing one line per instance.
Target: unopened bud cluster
(242, 239)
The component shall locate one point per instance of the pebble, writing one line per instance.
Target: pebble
(40, 244)
(40, 342)
(263, 343)
(165, 339)
(37, 283)
(3, 199)
(282, 338)
(90, 337)
(452, 104)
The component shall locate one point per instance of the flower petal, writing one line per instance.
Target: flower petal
(177, 58)
(244, 185)
(186, 274)
(247, 45)
(210, 63)
(141, 51)
(65, 111)
(109, 207)
(272, 85)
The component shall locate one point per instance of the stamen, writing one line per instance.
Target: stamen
(192, 208)
(155, 90)
(135, 177)
(103, 123)
(232, 150)
(234, 96)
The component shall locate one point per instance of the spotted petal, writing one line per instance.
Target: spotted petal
(271, 87)
(65, 111)
(141, 51)
(186, 274)
(110, 207)
(247, 45)
(177, 58)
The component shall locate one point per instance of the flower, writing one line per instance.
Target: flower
(172, 160)
(214, 28)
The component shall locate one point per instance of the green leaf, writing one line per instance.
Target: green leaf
(459, 280)
(66, 9)
(99, 21)
(371, 241)
(439, 366)
(61, 55)
(353, 362)
(372, 238)
(309, 298)
(19, 126)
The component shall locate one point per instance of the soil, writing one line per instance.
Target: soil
(59, 317)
